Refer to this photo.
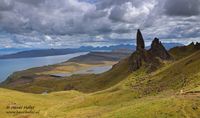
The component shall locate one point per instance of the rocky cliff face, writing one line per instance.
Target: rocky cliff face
(148, 58)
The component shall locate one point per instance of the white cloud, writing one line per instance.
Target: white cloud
(64, 22)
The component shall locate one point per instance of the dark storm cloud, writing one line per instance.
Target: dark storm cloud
(182, 7)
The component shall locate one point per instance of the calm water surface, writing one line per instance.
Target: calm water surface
(8, 66)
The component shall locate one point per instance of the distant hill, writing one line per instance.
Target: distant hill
(25, 53)
(53, 52)
(5, 51)
(40, 53)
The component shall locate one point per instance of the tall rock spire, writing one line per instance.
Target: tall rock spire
(140, 40)
(152, 58)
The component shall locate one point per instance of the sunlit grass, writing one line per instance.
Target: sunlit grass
(116, 94)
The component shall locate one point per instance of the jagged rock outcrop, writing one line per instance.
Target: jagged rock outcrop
(158, 50)
(140, 41)
(148, 58)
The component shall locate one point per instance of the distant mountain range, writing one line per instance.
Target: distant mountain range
(28, 53)
(5, 51)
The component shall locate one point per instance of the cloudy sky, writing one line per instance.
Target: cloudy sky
(72, 23)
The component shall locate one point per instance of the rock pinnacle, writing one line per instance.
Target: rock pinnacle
(140, 40)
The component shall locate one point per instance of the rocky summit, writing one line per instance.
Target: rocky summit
(148, 58)
(157, 49)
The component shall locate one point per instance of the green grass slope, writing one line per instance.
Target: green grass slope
(182, 75)
(116, 102)
(170, 92)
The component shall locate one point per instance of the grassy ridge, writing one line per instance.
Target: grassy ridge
(183, 51)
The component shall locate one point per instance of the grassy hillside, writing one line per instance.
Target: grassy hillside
(182, 75)
(123, 100)
(172, 91)
(184, 51)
